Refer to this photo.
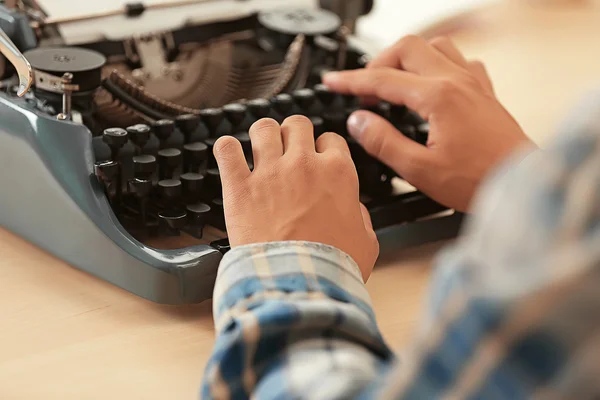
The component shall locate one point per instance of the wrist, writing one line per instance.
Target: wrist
(301, 270)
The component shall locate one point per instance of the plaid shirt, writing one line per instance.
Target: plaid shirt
(514, 310)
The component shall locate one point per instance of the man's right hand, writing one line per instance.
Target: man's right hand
(470, 131)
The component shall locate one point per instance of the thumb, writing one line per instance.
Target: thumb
(383, 141)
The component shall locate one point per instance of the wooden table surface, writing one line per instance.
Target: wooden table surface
(66, 335)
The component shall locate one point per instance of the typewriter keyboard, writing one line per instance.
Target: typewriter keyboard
(162, 179)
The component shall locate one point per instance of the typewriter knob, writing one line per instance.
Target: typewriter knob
(187, 124)
(259, 108)
(305, 98)
(144, 166)
(115, 138)
(163, 129)
(139, 134)
(236, 114)
(283, 104)
(303, 21)
(212, 118)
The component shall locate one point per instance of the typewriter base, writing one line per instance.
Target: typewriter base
(77, 224)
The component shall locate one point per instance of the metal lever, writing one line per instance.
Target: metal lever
(18, 60)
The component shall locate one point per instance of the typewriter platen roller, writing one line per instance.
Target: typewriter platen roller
(107, 144)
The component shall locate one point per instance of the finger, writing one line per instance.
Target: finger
(267, 146)
(366, 217)
(414, 54)
(480, 72)
(231, 161)
(298, 134)
(330, 141)
(383, 141)
(447, 48)
(394, 86)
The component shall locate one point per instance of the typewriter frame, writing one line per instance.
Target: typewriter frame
(55, 163)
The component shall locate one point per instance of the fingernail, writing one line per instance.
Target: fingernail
(356, 125)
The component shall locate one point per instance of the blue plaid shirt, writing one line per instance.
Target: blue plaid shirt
(514, 310)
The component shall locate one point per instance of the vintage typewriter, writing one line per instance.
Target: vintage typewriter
(108, 119)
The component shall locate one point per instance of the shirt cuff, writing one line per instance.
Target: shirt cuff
(286, 271)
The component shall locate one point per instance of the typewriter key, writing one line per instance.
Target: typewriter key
(319, 126)
(170, 190)
(192, 186)
(212, 118)
(144, 166)
(163, 129)
(174, 220)
(115, 138)
(139, 135)
(305, 98)
(235, 114)
(195, 156)
(325, 96)
(169, 160)
(259, 108)
(198, 216)
(283, 104)
(188, 124)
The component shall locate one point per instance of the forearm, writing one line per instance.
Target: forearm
(293, 320)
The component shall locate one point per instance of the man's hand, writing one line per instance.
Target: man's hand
(298, 191)
(470, 131)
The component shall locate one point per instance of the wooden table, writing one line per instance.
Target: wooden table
(66, 335)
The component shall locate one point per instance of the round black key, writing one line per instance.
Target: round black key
(325, 96)
(192, 184)
(107, 171)
(169, 160)
(187, 124)
(212, 118)
(283, 104)
(319, 125)
(144, 166)
(259, 108)
(244, 139)
(235, 114)
(163, 129)
(194, 155)
(305, 98)
(139, 134)
(350, 100)
(140, 187)
(170, 189)
(115, 138)
(335, 122)
(198, 212)
(174, 219)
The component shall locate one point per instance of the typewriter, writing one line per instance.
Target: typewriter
(108, 116)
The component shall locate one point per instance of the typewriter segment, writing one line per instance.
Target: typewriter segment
(148, 109)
